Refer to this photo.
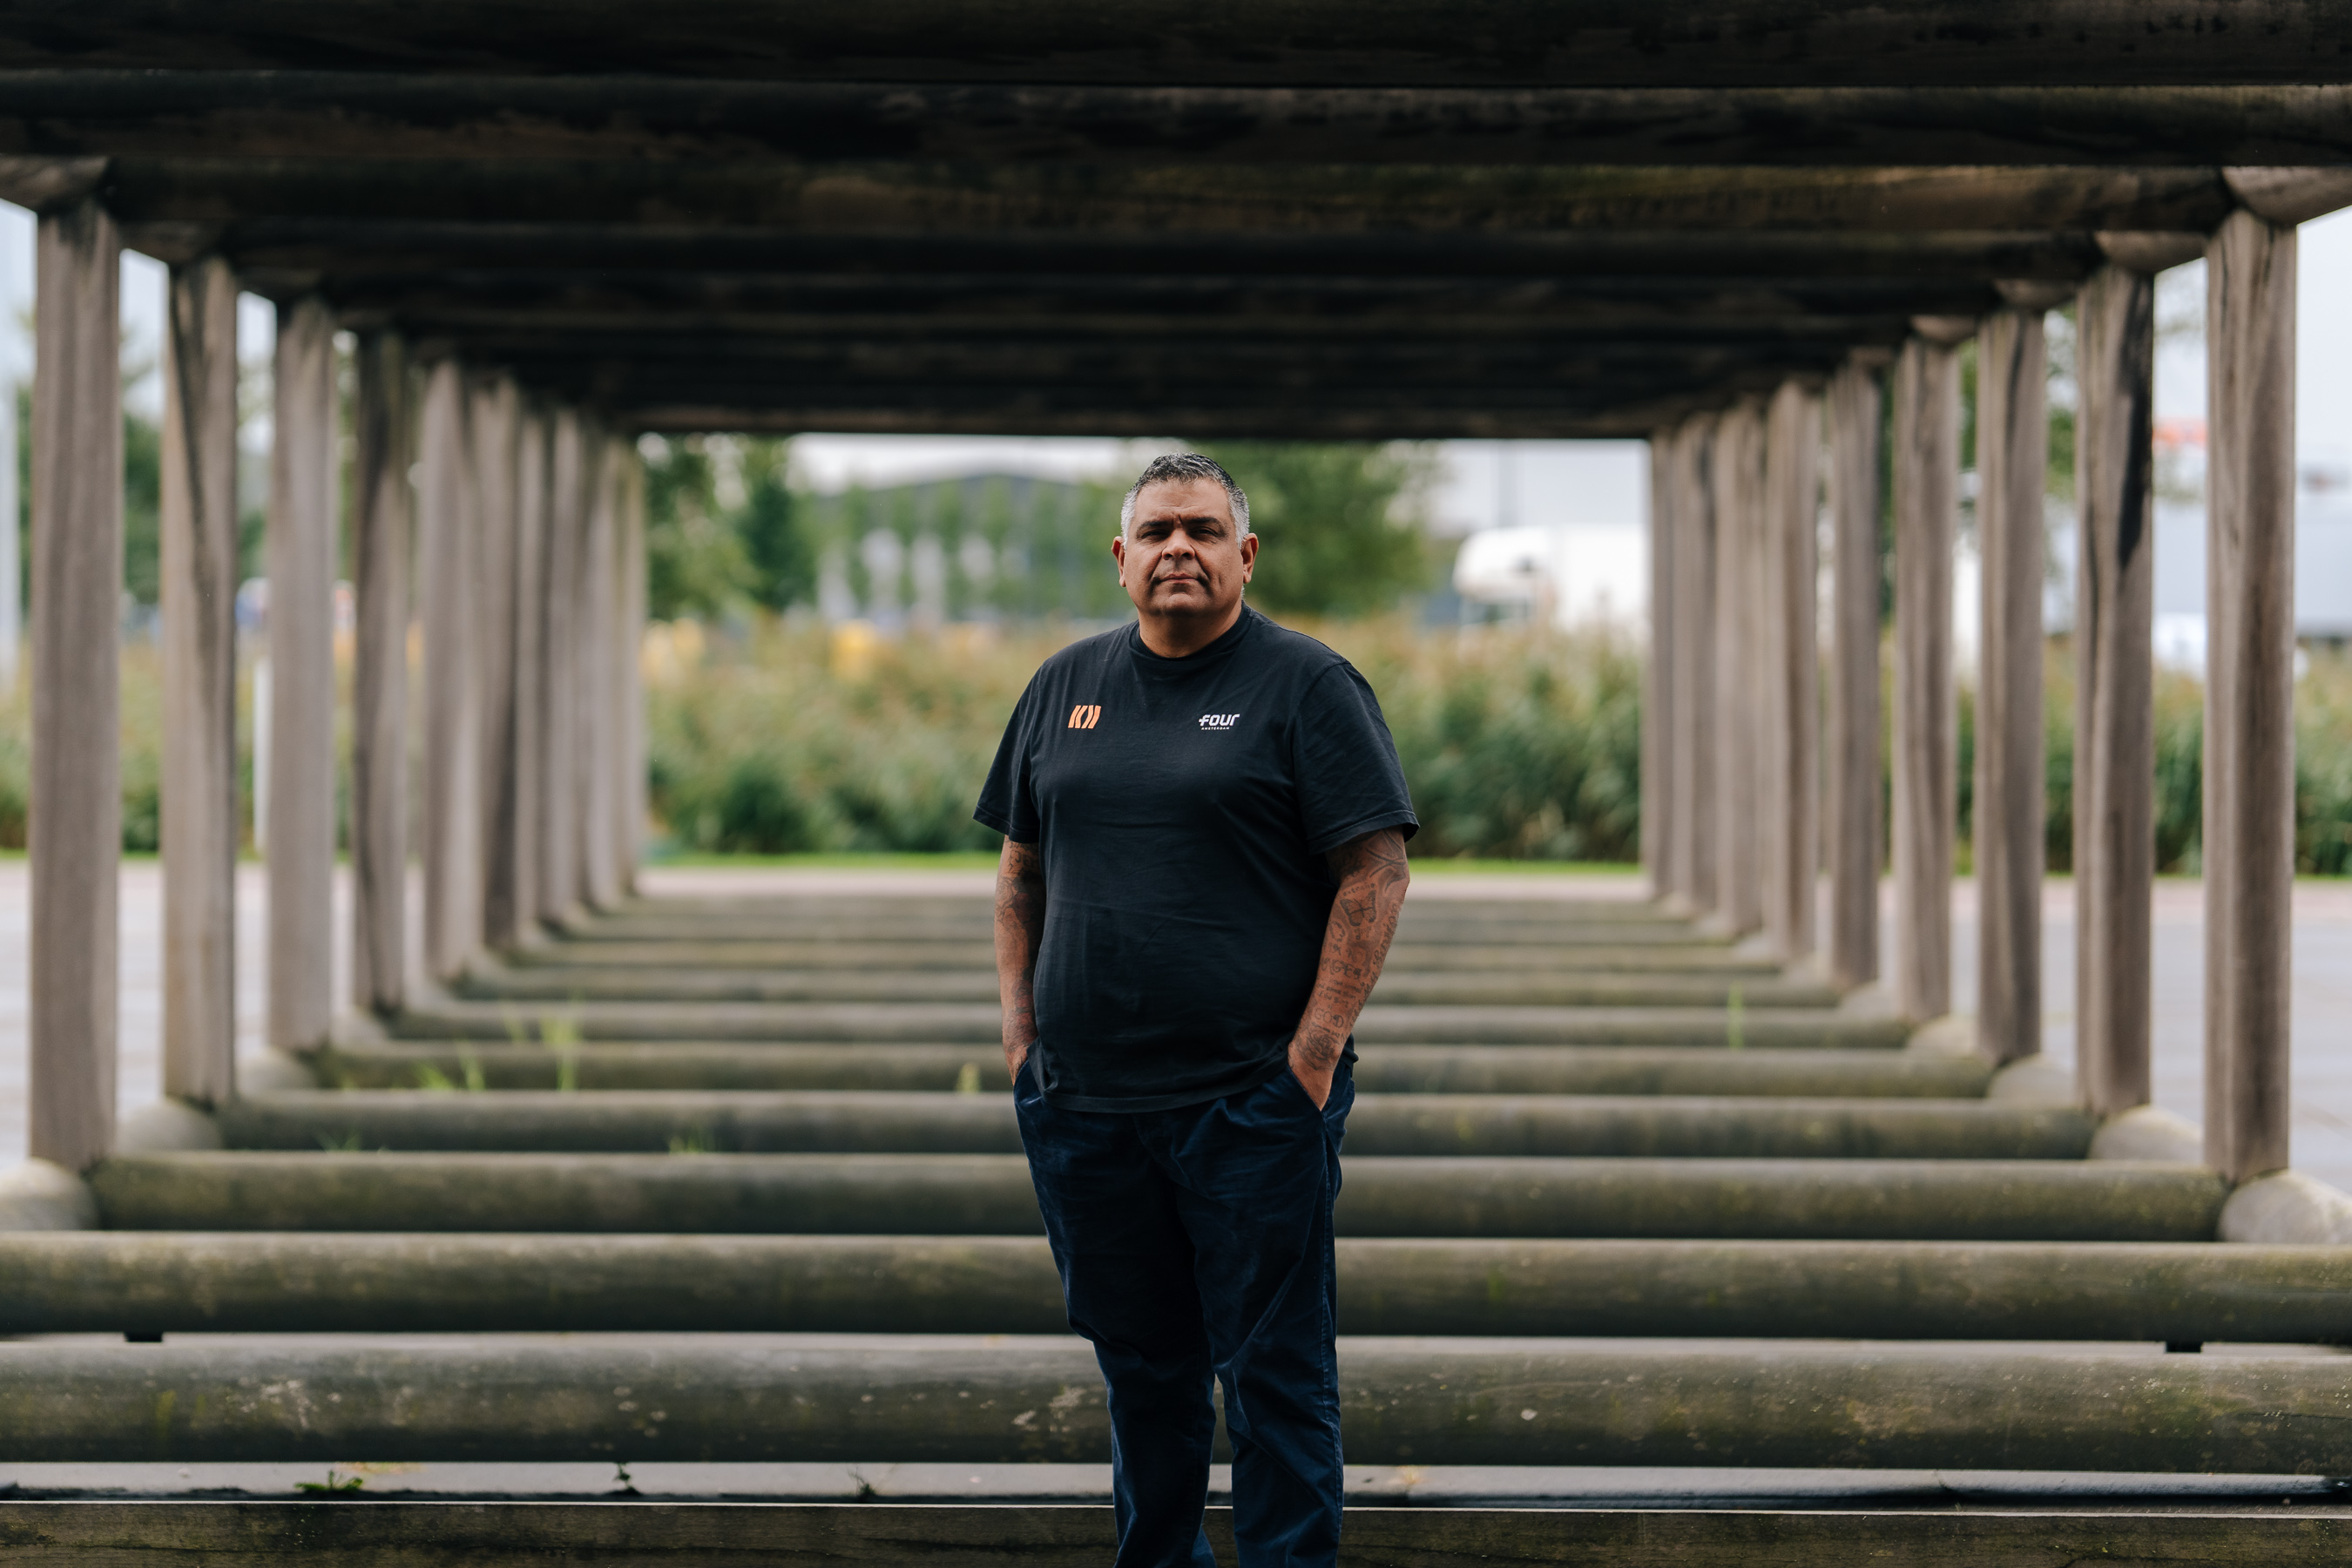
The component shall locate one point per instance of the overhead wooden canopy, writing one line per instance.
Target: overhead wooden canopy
(1290, 218)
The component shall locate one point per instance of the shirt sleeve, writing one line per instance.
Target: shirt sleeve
(1007, 802)
(1350, 782)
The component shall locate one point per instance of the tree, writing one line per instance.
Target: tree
(777, 547)
(722, 529)
(1341, 522)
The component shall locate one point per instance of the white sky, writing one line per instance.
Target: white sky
(1541, 482)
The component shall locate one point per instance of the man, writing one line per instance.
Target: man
(1204, 828)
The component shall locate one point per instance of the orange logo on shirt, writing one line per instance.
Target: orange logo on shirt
(1084, 718)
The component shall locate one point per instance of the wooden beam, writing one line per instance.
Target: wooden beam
(305, 478)
(1627, 420)
(1927, 721)
(452, 848)
(1738, 472)
(76, 828)
(492, 410)
(2115, 715)
(559, 707)
(1690, 799)
(1789, 666)
(2249, 843)
(1658, 672)
(2013, 463)
(298, 251)
(342, 114)
(380, 533)
(1853, 810)
(198, 527)
(919, 196)
(1919, 43)
(1052, 355)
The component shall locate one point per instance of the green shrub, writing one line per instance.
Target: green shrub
(1513, 744)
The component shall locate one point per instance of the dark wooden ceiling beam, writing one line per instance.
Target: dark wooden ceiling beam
(932, 358)
(1631, 417)
(298, 252)
(1048, 307)
(609, 294)
(1602, 43)
(1196, 200)
(329, 115)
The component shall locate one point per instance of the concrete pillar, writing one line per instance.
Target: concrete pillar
(1926, 719)
(1852, 751)
(2114, 717)
(301, 548)
(452, 850)
(2012, 465)
(2248, 844)
(598, 641)
(12, 560)
(629, 704)
(558, 713)
(1658, 673)
(198, 525)
(492, 412)
(1789, 737)
(1738, 484)
(76, 796)
(1690, 798)
(380, 546)
(528, 682)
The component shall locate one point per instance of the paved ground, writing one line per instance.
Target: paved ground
(2323, 982)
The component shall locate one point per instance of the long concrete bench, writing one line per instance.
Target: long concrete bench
(637, 1532)
(1391, 1069)
(960, 1022)
(981, 1194)
(887, 1122)
(1627, 925)
(978, 953)
(115, 1281)
(1529, 987)
(1017, 1398)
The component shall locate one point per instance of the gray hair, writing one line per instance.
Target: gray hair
(1179, 467)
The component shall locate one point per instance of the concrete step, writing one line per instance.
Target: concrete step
(317, 1533)
(990, 1194)
(981, 955)
(1446, 921)
(213, 1282)
(1511, 988)
(1424, 905)
(1018, 1398)
(894, 1122)
(965, 1022)
(1388, 1068)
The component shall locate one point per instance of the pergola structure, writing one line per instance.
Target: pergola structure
(1739, 230)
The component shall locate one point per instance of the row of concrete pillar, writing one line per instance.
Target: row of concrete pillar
(524, 519)
(1733, 817)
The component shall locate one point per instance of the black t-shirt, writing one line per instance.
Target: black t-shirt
(1183, 809)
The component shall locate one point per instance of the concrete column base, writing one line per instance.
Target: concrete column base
(38, 1195)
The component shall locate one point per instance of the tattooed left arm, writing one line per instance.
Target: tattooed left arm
(1373, 877)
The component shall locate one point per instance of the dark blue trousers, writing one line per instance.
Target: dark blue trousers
(1196, 1243)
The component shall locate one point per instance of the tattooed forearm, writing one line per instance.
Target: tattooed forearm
(1373, 877)
(1020, 927)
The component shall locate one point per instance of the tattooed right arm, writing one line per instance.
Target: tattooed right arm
(1020, 927)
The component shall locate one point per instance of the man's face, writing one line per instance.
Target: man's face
(1179, 555)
